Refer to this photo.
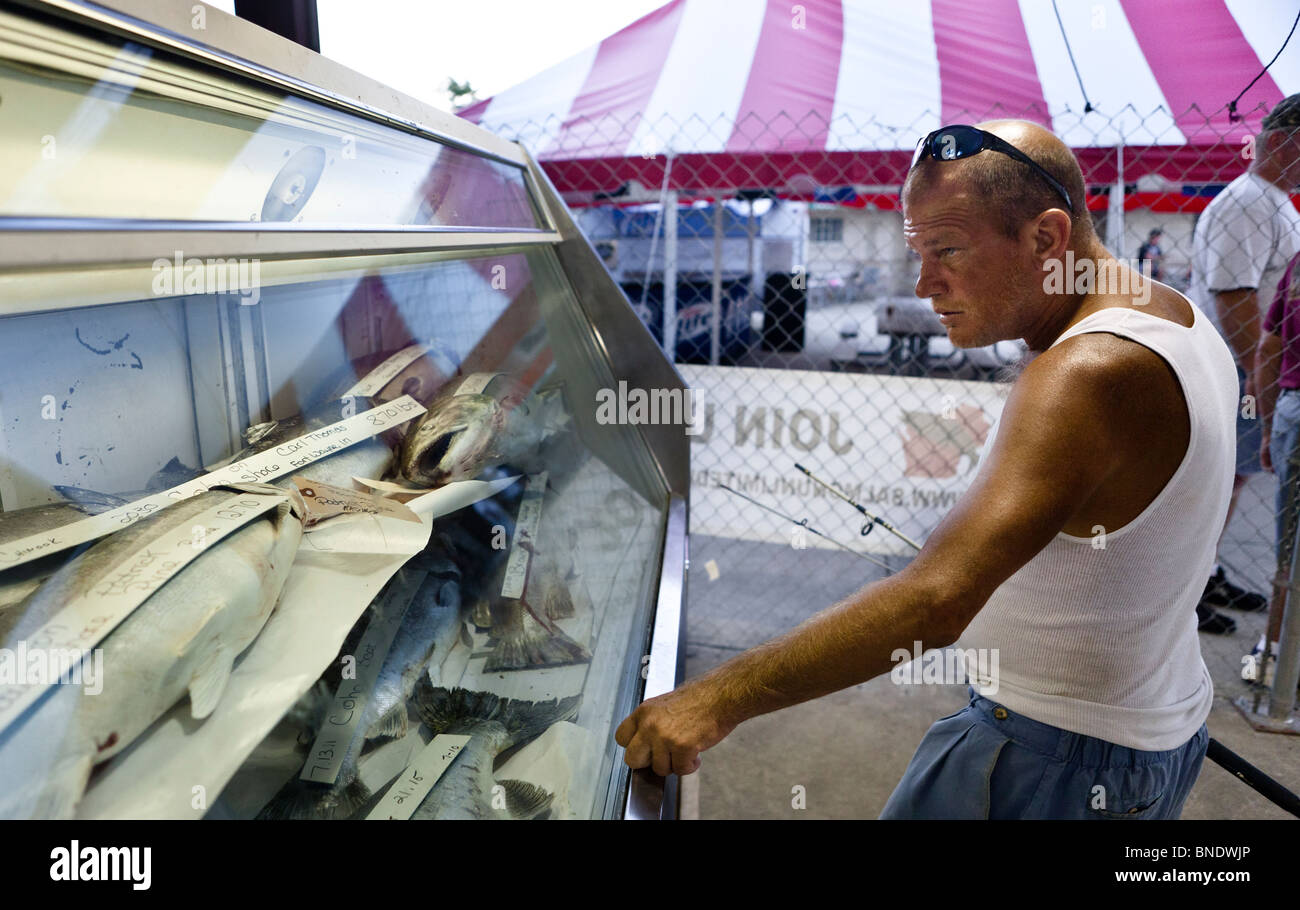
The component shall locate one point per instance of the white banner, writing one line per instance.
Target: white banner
(904, 447)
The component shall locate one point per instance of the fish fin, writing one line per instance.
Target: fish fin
(92, 502)
(558, 601)
(208, 683)
(393, 723)
(525, 800)
(259, 430)
(446, 710)
(465, 638)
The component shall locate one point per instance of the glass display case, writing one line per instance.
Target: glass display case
(309, 509)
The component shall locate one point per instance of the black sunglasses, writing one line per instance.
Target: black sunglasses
(952, 142)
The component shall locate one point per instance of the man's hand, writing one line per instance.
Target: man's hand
(669, 732)
(1265, 456)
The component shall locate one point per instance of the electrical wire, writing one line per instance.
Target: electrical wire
(1233, 116)
(1087, 105)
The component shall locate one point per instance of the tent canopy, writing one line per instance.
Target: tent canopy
(766, 93)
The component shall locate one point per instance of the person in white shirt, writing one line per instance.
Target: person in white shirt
(1242, 244)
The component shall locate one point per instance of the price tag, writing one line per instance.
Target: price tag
(409, 790)
(475, 383)
(320, 501)
(260, 468)
(334, 740)
(374, 381)
(86, 620)
(530, 516)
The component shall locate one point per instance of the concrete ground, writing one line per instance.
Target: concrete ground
(848, 750)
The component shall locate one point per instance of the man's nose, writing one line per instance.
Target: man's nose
(928, 283)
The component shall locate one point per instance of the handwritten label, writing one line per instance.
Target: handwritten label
(320, 501)
(475, 383)
(374, 381)
(86, 620)
(260, 468)
(340, 728)
(406, 794)
(530, 516)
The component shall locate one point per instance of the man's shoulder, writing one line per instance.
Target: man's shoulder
(1101, 370)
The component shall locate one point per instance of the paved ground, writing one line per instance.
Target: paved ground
(848, 750)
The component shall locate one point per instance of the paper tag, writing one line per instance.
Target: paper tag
(86, 620)
(475, 383)
(530, 516)
(406, 794)
(334, 740)
(260, 468)
(374, 381)
(320, 501)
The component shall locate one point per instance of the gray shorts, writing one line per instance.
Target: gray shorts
(1250, 433)
(987, 762)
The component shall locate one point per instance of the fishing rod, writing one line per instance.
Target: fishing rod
(866, 529)
(804, 524)
(1252, 777)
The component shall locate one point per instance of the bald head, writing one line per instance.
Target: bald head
(1010, 190)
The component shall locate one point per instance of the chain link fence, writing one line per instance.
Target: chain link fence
(782, 284)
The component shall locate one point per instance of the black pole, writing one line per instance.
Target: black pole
(1254, 778)
(293, 19)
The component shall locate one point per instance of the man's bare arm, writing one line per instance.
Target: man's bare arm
(1239, 318)
(1059, 441)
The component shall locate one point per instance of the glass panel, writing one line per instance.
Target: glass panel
(521, 624)
(100, 128)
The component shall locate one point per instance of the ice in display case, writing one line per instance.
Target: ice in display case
(308, 511)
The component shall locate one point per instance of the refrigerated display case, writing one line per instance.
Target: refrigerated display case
(299, 440)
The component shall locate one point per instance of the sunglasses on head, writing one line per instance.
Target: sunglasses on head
(952, 142)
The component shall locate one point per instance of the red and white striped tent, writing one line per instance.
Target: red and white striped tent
(778, 95)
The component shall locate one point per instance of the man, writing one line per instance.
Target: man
(1277, 376)
(1242, 243)
(1102, 691)
(1151, 250)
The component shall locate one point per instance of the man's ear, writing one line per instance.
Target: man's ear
(1050, 235)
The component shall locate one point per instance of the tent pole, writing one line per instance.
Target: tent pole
(670, 275)
(1115, 219)
(715, 323)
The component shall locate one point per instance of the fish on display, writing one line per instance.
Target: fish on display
(461, 434)
(494, 724)
(421, 378)
(431, 625)
(523, 638)
(183, 638)
(368, 458)
(20, 581)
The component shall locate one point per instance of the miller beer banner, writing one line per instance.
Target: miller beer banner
(903, 447)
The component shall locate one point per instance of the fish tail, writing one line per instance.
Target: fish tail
(454, 710)
(529, 643)
(90, 501)
(525, 800)
(55, 797)
(299, 800)
(392, 724)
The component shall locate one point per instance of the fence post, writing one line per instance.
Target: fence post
(1282, 702)
(1115, 214)
(670, 274)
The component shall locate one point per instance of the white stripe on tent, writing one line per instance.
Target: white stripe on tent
(1120, 84)
(694, 103)
(1265, 24)
(887, 94)
(534, 111)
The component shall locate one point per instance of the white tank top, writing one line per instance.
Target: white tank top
(1103, 642)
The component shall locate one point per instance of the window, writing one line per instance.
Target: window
(828, 230)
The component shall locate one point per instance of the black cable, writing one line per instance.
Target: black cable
(1254, 778)
(1233, 116)
(1087, 105)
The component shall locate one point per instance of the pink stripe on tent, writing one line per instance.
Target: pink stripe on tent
(986, 67)
(607, 110)
(790, 94)
(1174, 42)
(474, 113)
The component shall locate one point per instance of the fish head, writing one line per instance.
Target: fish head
(454, 440)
